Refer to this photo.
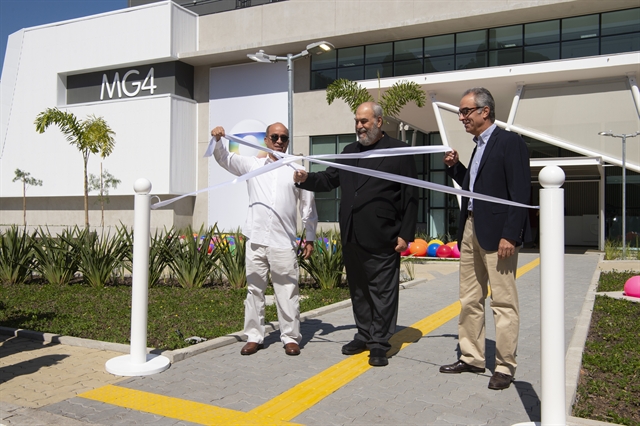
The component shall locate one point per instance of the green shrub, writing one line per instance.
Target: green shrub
(231, 249)
(188, 257)
(56, 260)
(325, 266)
(16, 255)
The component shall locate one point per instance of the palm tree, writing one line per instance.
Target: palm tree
(27, 180)
(90, 136)
(392, 101)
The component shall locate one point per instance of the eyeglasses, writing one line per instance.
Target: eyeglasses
(464, 112)
(274, 138)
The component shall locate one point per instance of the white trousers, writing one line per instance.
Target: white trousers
(283, 265)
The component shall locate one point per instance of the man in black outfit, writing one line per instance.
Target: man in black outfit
(377, 222)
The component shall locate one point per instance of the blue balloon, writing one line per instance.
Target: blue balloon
(432, 249)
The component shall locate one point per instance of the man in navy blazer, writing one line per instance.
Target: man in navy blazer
(489, 236)
(377, 221)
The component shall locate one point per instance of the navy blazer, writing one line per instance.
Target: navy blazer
(504, 172)
(374, 212)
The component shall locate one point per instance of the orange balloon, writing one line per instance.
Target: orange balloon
(452, 243)
(420, 240)
(418, 248)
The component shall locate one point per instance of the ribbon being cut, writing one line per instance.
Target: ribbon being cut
(286, 159)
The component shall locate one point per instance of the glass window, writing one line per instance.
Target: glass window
(321, 79)
(620, 22)
(352, 73)
(505, 57)
(542, 32)
(408, 49)
(376, 53)
(323, 145)
(580, 28)
(545, 52)
(350, 56)
(505, 37)
(471, 60)
(620, 43)
(408, 67)
(471, 41)
(439, 45)
(439, 64)
(326, 210)
(324, 61)
(580, 48)
(378, 70)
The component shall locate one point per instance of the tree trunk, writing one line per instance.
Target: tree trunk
(24, 203)
(86, 191)
(101, 198)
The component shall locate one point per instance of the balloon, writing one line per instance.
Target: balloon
(455, 252)
(420, 240)
(443, 251)
(432, 249)
(407, 252)
(417, 248)
(436, 242)
(632, 286)
(452, 243)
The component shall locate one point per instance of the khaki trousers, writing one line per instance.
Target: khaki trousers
(283, 265)
(478, 268)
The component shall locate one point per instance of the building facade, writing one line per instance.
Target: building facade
(162, 75)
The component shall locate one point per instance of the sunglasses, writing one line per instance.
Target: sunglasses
(274, 138)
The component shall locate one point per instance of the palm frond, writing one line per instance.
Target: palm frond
(349, 91)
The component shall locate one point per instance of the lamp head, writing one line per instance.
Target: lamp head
(606, 133)
(319, 47)
(260, 56)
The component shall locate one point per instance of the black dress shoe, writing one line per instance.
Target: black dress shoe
(378, 357)
(292, 349)
(460, 367)
(354, 347)
(251, 348)
(500, 381)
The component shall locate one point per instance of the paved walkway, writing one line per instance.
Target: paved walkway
(48, 383)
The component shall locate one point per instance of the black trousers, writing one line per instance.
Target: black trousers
(374, 284)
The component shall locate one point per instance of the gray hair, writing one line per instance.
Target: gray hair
(377, 110)
(483, 98)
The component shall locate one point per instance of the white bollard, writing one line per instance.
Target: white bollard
(139, 362)
(552, 400)
(552, 354)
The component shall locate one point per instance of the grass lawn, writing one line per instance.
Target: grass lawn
(104, 314)
(609, 386)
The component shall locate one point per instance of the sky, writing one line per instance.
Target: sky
(18, 14)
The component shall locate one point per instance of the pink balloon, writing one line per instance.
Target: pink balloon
(455, 252)
(632, 287)
(407, 252)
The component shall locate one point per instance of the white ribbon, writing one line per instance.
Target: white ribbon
(286, 159)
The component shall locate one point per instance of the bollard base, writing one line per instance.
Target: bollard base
(122, 365)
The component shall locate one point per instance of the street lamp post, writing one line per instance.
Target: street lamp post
(316, 48)
(624, 184)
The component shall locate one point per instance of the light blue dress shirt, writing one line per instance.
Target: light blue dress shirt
(475, 164)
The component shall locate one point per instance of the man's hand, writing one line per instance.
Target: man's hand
(451, 158)
(218, 133)
(402, 245)
(308, 249)
(506, 248)
(300, 176)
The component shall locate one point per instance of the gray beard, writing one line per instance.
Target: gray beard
(370, 139)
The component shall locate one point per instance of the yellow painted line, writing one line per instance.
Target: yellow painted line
(526, 268)
(286, 406)
(174, 408)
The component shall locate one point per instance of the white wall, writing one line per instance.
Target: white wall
(33, 80)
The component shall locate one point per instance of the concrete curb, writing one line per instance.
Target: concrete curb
(183, 353)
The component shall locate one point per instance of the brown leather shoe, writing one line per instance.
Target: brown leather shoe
(460, 367)
(251, 348)
(292, 349)
(500, 381)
